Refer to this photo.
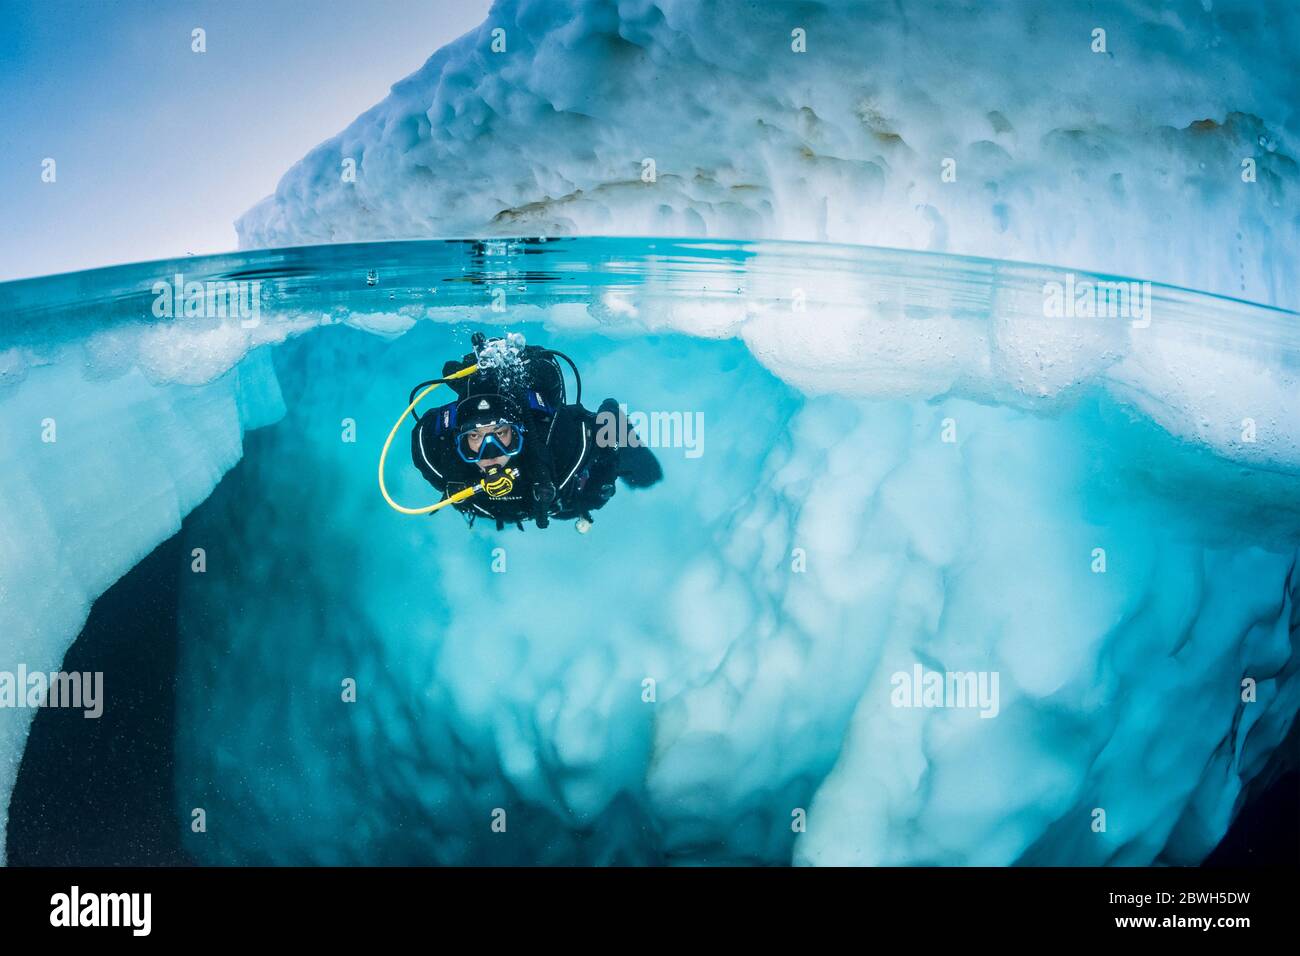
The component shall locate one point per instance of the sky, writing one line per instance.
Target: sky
(159, 149)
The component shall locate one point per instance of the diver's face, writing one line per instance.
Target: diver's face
(503, 433)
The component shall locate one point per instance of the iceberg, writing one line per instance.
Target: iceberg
(983, 561)
(97, 470)
(1162, 147)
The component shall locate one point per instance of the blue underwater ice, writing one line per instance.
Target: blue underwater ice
(712, 673)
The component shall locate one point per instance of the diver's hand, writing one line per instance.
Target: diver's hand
(638, 467)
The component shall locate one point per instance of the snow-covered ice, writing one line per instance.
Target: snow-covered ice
(1127, 161)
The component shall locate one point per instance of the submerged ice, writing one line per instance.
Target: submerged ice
(721, 657)
(95, 470)
(918, 470)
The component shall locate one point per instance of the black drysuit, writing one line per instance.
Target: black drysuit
(563, 473)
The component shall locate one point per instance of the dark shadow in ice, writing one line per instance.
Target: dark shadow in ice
(99, 792)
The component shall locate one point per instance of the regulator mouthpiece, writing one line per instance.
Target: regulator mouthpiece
(499, 482)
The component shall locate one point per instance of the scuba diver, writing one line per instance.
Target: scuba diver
(511, 449)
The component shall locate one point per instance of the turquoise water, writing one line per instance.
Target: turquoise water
(903, 462)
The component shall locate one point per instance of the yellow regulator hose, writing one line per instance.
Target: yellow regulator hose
(383, 455)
